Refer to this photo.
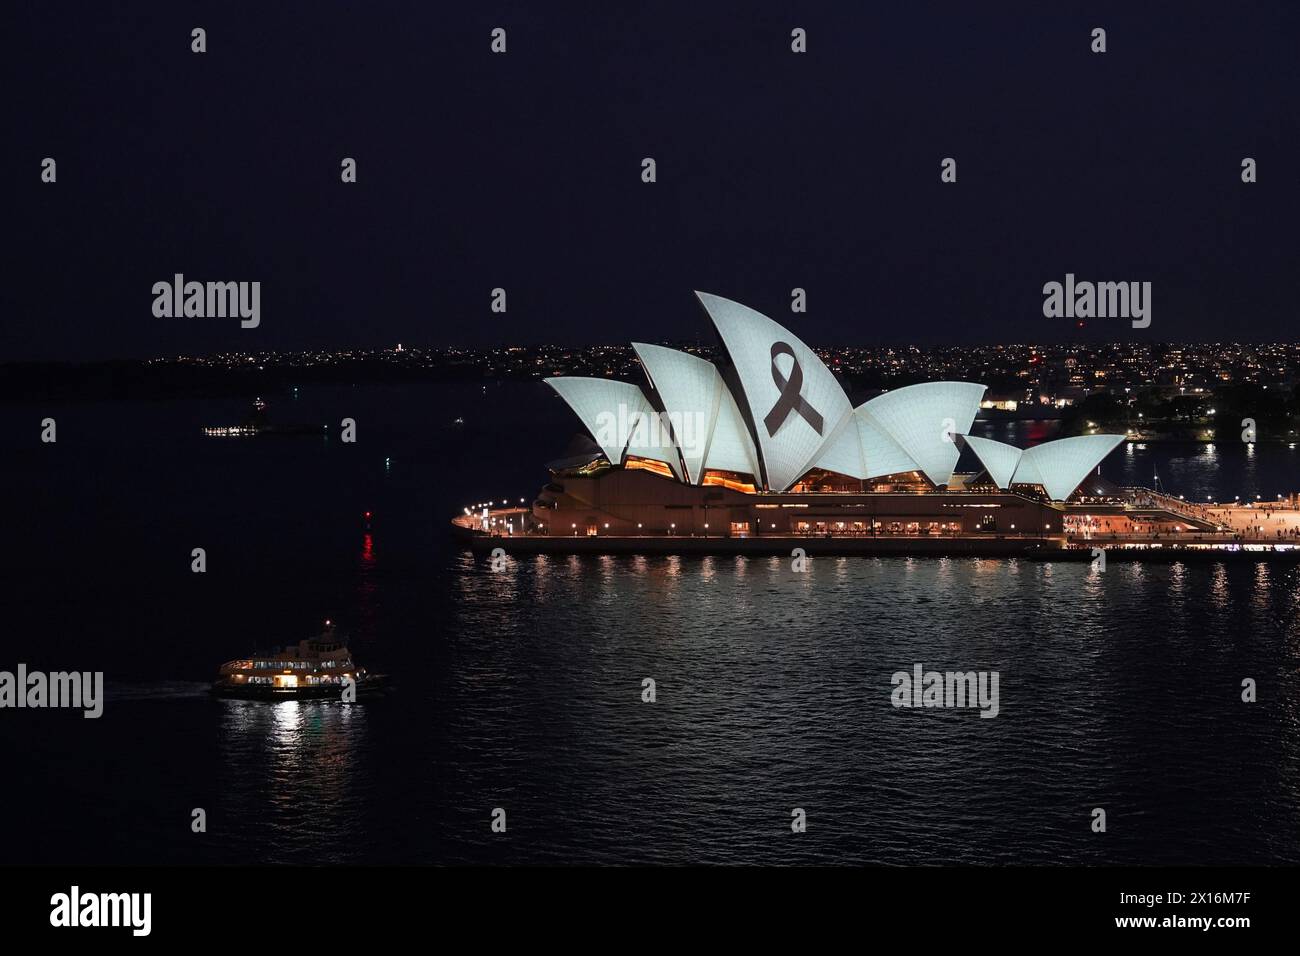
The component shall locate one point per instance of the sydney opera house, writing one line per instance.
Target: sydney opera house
(768, 445)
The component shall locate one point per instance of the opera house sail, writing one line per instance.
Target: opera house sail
(766, 444)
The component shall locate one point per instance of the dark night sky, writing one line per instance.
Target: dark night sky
(523, 171)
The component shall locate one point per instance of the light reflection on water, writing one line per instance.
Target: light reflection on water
(289, 771)
(1120, 684)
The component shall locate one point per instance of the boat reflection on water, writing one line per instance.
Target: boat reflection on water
(298, 776)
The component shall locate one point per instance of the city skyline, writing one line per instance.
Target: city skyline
(1100, 366)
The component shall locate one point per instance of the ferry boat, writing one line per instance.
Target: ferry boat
(257, 424)
(317, 668)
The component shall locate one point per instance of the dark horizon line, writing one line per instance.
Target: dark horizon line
(119, 360)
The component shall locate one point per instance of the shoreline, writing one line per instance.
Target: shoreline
(1030, 548)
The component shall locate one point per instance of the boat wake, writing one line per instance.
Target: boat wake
(161, 690)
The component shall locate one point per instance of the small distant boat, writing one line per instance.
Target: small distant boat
(320, 667)
(257, 425)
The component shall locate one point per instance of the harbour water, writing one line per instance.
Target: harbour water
(522, 688)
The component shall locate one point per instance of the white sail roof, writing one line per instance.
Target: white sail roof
(861, 448)
(883, 455)
(998, 458)
(787, 397)
(1027, 472)
(706, 422)
(620, 419)
(842, 453)
(794, 401)
(1061, 465)
(731, 447)
(924, 419)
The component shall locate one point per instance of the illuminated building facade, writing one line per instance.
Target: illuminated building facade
(770, 444)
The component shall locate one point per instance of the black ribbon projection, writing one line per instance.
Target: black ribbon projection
(789, 400)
